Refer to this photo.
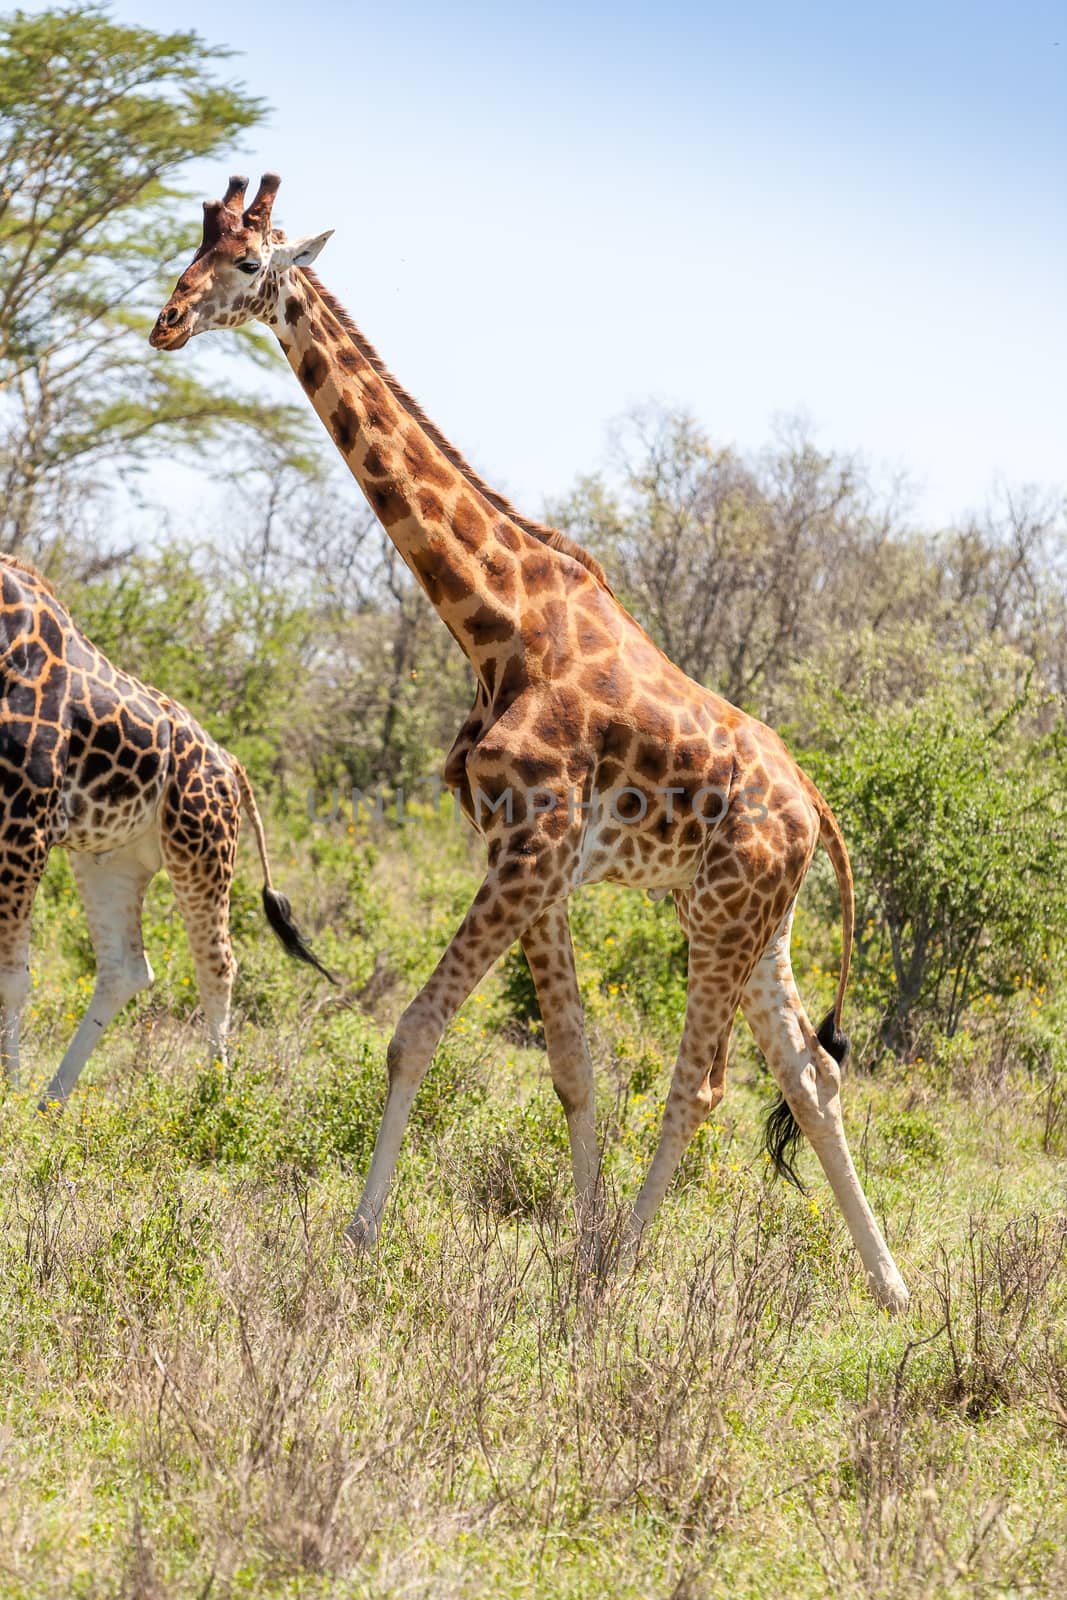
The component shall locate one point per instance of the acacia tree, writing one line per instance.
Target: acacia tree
(97, 119)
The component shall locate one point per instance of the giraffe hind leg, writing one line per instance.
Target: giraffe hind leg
(203, 896)
(810, 1080)
(198, 837)
(112, 888)
(697, 1086)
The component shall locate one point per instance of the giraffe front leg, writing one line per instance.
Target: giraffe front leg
(549, 951)
(495, 920)
(16, 904)
(112, 889)
(14, 987)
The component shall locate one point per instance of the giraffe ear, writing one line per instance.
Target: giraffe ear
(298, 252)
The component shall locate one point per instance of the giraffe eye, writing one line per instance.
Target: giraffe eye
(250, 267)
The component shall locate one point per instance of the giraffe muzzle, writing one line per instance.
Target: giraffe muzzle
(171, 330)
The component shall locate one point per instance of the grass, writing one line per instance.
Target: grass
(203, 1395)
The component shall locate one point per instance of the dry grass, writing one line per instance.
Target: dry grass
(203, 1396)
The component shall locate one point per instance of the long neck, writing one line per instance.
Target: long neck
(464, 551)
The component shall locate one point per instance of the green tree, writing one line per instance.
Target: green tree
(97, 119)
(739, 566)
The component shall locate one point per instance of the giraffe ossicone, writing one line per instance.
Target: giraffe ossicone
(126, 781)
(572, 697)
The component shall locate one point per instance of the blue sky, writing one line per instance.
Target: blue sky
(545, 215)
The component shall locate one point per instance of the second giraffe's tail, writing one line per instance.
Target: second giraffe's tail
(279, 912)
(782, 1131)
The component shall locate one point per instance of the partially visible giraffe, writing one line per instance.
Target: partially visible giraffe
(587, 756)
(126, 781)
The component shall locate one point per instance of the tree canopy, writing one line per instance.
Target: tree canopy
(97, 121)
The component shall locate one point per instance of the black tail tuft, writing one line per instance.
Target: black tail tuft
(781, 1139)
(833, 1041)
(782, 1130)
(280, 916)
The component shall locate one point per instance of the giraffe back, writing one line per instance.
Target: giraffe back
(88, 753)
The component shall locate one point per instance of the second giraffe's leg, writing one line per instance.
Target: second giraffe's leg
(550, 954)
(811, 1081)
(112, 890)
(202, 890)
(16, 903)
(494, 921)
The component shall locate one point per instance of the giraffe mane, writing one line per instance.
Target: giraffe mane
(28, 569)
(550, 536)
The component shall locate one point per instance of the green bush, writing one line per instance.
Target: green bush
(953, 809)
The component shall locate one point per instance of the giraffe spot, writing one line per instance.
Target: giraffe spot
(651, 761)
(389, 504)
(468, 524)
(487, 626)
(536, 771)
(513, 681)
(609, 682)
(439, 577)
(381, 415)
(29, 657)
(508, 536)
(95, 767)
(373, 465)
(118, 787)
(538, 572)
(616, 741)
(348, 358)
(313, 370)
(501, 577)
(425, 463)
(134, 731)
(293, 310)
(51, 634)
(430, 505)
(345, 425)
(593, 641)
(14, 738)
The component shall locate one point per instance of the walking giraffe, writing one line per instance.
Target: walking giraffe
(587, 756)
(126, 781)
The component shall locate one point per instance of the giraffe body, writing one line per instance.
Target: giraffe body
(126, 781)
(587, 756)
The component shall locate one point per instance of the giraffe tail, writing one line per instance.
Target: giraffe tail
(833, 1040)
(781, 1130)
(276, 907)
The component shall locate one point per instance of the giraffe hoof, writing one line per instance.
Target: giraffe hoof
(892, 1295)
(360, 1235)
(49, 1108)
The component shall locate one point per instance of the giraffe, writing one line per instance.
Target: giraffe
(587, 755)
(123, 779)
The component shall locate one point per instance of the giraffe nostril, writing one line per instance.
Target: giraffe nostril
(169, 317)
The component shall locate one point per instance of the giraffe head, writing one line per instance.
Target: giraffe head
(237, 271)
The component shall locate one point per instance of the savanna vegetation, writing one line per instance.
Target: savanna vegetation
(200, 1393)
